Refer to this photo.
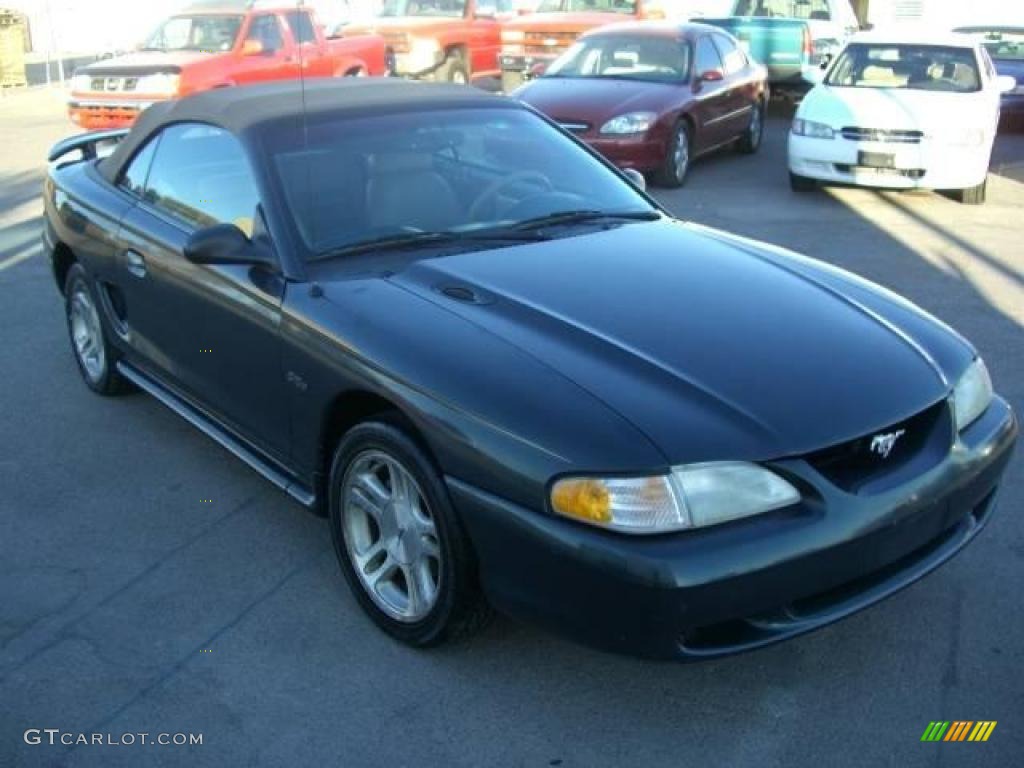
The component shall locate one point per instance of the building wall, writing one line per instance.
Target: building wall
(943, 14)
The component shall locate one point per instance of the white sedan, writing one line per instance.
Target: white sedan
(899, 114)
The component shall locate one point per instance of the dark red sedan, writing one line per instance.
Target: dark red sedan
(653, 96)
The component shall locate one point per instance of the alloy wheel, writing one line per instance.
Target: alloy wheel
(390, 536)
(681, 153)
(86, 333)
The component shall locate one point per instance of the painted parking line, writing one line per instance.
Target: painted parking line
(23, 255)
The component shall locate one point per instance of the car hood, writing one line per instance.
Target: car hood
(564, 22)
(1012, 68)
(596, 99)
(714, 348)
(894, 108)
(145, 62)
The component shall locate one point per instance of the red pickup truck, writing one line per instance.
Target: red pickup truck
(213, 46)
(449, 40)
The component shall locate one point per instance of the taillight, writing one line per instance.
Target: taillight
(808, 44)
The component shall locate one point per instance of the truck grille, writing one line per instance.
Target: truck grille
(548, 42)
(854, 133)
(923, 439)
(113, 84)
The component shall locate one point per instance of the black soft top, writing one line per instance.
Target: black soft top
(242, 108)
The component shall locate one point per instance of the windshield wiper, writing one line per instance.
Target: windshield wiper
(426, 239)
(584, 216)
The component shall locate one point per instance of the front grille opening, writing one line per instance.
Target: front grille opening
(881, 135)
(925, 437)
(914, 173)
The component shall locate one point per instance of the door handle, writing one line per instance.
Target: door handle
(136, 263)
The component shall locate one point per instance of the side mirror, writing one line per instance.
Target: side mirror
(826, 59)
(252, 48)
(1006, 83)
(635, 178)
(224, 244)
(712, 76)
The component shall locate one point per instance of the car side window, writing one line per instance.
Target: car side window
(733, 59)
(707, 56)
(133, 179)
(301, 25)
(266, 30)
(201, 177)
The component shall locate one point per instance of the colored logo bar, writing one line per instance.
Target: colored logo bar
(959, 730)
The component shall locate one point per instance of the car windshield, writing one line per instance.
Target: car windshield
(1000, 43)
(195, 33)
(449, 8)
(471, 172)
(632, 57)
(818, 10)
(906, 67)
(626, 7)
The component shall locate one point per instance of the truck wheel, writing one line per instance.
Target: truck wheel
(676, 164)
(972, 195)
(399, 541)
(454, 70)
(510, 81)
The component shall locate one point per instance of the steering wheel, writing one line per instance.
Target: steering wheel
(492, 190)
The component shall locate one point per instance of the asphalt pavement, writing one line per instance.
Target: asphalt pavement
(151, 583)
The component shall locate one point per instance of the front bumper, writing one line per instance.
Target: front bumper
(643, 152)
(736, 587)
(927, 165)
(99, 114)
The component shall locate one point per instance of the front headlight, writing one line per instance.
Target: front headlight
(812, 130)
(693, 496)
(159, 85)
(513, 36)
(632, 122)
(972, 394)
(81, 83)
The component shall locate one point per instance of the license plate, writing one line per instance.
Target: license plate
(876, 160)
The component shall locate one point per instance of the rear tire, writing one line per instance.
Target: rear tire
(95, 356)
(751, 139)
(972, 195)
(676, 165)
(454, 69)
(801, 183)
(408, 562)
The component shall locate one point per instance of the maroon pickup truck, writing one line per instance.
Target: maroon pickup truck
(213, 46)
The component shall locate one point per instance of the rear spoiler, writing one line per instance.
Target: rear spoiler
(85, 143)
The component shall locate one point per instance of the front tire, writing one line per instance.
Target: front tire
(95, 355)
(398, 539)
(676, 165)
(801, 183)
(972, 195)
(510, 81)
